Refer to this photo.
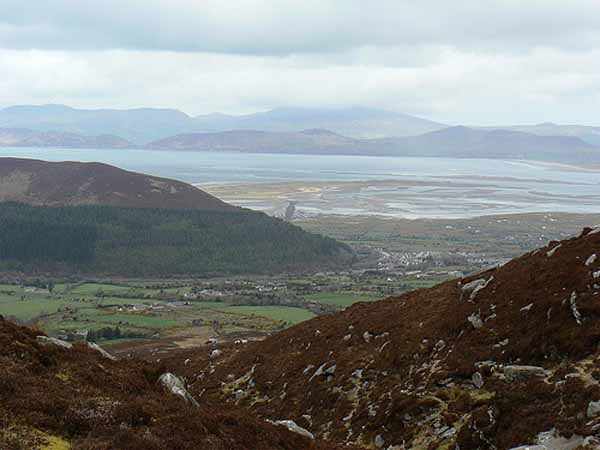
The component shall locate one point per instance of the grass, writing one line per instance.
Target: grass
(93, 288)
(30, 308)
(342, 299)
(279, 313)
(72, 307)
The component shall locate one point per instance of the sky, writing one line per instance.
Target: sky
(474, 62)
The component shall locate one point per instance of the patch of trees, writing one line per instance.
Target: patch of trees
(109, 333)
(157, 242)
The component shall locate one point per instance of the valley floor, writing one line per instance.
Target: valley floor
(395, 255)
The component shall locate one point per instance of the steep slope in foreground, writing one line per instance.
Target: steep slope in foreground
(485, 362)
(74, 183)
(54, 398)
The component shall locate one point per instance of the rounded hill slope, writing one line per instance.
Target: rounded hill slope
(75, 183)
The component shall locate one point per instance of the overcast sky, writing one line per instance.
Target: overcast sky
(476, 62)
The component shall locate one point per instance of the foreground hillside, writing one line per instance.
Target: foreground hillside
(56, 398)
(497, 360)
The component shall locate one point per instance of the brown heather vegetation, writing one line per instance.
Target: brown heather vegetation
(57, 399)
(439, 368)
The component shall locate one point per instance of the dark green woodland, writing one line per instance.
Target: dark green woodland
(157, 242)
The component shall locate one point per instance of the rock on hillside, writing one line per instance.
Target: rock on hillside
(73, 183)
(52, 397)
(501, 359)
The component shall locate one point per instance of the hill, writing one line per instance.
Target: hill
(76, 398)
(91, 218)
(501, 359)
(315, 141)
(20, 137)
(137, 125)
(143, 125)
(588, 134)
(74, 183)
(356, 122)
(453, 142)
(464, 142)
(148, 242)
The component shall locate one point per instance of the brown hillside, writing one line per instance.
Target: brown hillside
(74, 183)
(485, 362)
(52, 398)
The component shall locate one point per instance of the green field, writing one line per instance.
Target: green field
(30, 308)
(278, 313)
(136, 310)
(340, 298)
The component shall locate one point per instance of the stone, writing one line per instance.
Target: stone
(358, 373)
(475, 320)
(379, 442)
(593, 409)
(322, 370)
(215, 354)
(530, 447)
(480, 288)
(472, 285)
(574, 310)
(477, 380)
(513, 372)
(553, 251)
(239, 394)
(591, 260)
(294, 427)
(100, 350)
(47, 340)
(176, 386)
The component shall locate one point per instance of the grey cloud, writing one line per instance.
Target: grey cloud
(458, 87)
(290, 26)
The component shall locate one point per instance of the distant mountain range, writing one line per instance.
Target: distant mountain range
(585, 133)
(356, 122)
(452, 142)
(146, 124)
(350, 131)
(136, 125)
(308, 141)
(464, 142)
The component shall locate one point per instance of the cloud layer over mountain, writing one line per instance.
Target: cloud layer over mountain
(449, 62)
